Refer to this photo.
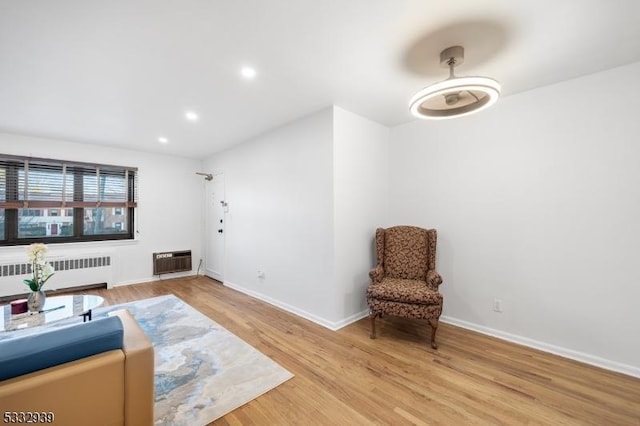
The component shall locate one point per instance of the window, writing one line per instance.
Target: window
(31, 212)
(44, 200)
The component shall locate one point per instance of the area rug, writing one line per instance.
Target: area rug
(202, 371)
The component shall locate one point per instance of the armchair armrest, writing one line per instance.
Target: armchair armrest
(376, 274)
(433, 279)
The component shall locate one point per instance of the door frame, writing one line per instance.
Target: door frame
(214, 211)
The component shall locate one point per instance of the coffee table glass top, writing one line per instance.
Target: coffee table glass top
(55, 308)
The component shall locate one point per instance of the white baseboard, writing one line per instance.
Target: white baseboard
(155, 278)
(629, 370)
(213, 274)
(331, 325)
(351, 319)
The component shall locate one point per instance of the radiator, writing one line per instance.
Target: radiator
(171, 261)
(71, 271)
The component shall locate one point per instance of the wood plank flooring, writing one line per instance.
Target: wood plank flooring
(345, 378)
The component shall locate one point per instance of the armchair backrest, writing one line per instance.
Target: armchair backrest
(406, 252)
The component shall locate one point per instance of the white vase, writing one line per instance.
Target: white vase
(35, 301)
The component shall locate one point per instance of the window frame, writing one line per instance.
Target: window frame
(12, 201)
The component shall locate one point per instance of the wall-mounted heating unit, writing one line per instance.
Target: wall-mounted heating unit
(171, 261)
(71, 270)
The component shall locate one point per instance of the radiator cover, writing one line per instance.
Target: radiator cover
(71, 270)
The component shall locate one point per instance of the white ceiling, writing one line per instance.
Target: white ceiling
(123, 72)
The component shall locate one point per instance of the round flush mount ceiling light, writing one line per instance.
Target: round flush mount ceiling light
(162, 139)
(455, 96)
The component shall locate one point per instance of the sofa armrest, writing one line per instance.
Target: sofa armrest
(433, 279)
(376, 274)
(139, 370)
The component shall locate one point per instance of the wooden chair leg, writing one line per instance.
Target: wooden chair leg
(373, 326)
(434, 328)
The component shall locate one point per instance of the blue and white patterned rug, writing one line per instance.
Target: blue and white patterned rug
(202, 371)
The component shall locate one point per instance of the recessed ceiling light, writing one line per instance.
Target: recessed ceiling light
(248, 72)
(191, 116)
(162, 139)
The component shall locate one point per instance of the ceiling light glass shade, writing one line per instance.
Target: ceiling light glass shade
(455, 97)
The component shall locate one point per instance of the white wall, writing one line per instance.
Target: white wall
(360, 188)
(279, 190)
(537, 202)
(304, 202)
(169, 214)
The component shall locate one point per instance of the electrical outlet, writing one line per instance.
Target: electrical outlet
(497, 305)
(260, 274)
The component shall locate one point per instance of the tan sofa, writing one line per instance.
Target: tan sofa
(110, 388)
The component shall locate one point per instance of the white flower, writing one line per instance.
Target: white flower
(41, 270)
(36, 252)
(47, 270)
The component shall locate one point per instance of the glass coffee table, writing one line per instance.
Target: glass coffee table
(56, 308)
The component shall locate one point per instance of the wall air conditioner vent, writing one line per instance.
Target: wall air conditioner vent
(171, 261)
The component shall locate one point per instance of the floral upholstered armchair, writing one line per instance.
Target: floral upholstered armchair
(404, 282)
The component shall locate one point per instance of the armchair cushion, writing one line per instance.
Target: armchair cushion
(405, 291)
(405, 252)
(406, 310)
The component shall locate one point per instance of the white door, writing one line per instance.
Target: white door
(216, 207)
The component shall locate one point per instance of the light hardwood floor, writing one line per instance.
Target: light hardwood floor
(345, 378)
